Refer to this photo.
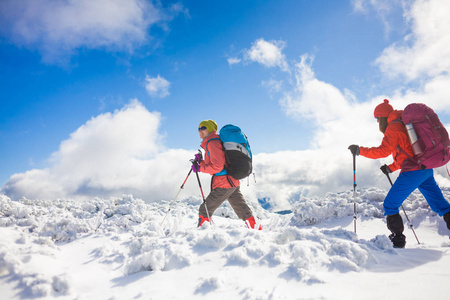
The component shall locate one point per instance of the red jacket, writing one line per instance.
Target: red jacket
(394, 136)
(214, 162)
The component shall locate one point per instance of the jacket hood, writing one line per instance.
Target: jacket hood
(212, 135)
(394, 115)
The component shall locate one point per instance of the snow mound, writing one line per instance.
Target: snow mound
(126, 239)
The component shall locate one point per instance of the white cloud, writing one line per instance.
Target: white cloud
(382, 8)
(233, 60)
(426, 51)
(338, 120)
(359, 6)
(58, 28)
(110, 155)
(268, 54)
(434, 93)
(313, 99)
(421, 60)
(123, 153)
(273, 85)
(157, 86)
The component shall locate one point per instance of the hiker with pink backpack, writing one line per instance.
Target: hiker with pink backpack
(418, 143)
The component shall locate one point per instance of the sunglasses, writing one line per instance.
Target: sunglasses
(202, 128)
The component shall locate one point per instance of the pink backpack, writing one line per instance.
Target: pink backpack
(431, 143)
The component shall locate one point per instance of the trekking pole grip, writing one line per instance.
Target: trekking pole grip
(389, 178)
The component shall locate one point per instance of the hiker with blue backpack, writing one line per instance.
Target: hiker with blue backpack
(415, 157)
(223, 185)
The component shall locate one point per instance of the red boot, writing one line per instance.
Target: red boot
(201, 220)
(250, 222)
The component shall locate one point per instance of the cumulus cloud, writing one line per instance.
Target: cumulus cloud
(425, 52)
(421, 60)
(110, 155)
(268, 54)
(123, 153)
(157, 86)
(57, 28)
(313, 99)
(339, 120)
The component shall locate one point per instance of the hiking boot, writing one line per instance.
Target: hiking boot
(201, 220)
(398, 240)
(395, 225)
(447, 219)
(251, 223)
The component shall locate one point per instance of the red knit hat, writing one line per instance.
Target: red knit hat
(383, 110)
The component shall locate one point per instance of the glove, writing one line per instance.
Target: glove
(195, 167)
(385, 169)
(198, 157)
(354, 149)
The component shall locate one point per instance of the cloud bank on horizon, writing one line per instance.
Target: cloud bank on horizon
(124, 153)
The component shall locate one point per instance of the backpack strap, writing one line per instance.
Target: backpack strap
(221, 173)
(207, 151)
(400, 149)
(398, 120)
(417, 162)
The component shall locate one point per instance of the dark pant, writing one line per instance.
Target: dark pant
(235, 198)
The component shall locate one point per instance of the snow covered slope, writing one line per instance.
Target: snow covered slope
(117, 249)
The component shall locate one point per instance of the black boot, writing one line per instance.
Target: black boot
(447, 219)
(398, 240)
(395, 225)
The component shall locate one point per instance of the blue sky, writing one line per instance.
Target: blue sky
(64, 63)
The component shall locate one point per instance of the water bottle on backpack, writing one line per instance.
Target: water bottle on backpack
(417, 149)
(428, 137)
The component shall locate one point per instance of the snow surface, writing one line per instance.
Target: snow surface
(117, 249)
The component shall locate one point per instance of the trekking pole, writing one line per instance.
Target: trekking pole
(171, 204)
(201, 190)
(404, 211)
(354, 191)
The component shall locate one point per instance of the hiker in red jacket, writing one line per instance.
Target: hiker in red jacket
(223, 186)
(395, 140)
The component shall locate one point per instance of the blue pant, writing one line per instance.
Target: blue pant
(406, 183)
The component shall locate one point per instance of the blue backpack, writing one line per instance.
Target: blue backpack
(238, 154)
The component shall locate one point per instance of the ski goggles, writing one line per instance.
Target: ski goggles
(202, 128)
